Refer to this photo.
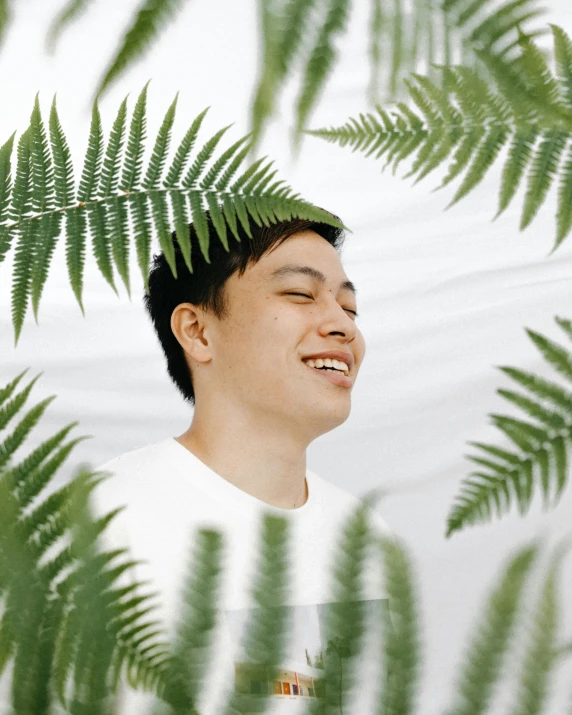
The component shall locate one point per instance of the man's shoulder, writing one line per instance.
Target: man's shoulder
(131, 476)
(134, 458)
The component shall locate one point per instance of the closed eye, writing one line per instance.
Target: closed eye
(303, 295)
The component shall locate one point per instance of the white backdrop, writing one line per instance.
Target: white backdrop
(443, 298)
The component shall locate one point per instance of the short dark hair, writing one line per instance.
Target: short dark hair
(204, 287)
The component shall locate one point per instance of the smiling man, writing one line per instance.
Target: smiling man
(263, 341)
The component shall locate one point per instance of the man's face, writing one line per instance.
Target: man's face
(258, 349)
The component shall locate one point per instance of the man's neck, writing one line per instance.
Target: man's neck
(261, 462)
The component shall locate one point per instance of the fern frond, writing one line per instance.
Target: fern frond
(486, 652)
(264, 638)
(192, 647)
(321, 60)
(112, 161)
(186, 146)
(5, 17)
(542, 445)
(5, 191)
(21, 206)
(134, 153)
(469, 123)
(150, 19)
(284, 28)
(71, 11)
(345, 617)
(401, 639)
(116, 202)
(539, 657)
(161, 149)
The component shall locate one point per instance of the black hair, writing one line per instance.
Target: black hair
(204, 286)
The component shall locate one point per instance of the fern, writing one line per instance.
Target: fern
(469, 125)
(401, 644)
(303, 33)
(5, 17)
(62, 624)
(118, 197)
(541, 455)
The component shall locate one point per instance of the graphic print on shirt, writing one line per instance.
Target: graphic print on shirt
(301, 673)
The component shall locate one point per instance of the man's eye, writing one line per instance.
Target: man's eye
(303, 295)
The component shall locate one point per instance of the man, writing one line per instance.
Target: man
(263, 341)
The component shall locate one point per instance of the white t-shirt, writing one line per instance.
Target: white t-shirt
(169, 493)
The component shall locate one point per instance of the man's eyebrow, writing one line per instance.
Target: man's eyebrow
(293, 268)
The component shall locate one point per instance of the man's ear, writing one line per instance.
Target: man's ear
(189, 326)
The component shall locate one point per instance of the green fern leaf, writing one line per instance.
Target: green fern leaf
(488, 647)
(527, 436)
(111, 163)
(202, 158)
(231, 170)
(21, 206)
(229, 212)
(142, 229)
(375, 45)
(5, 192)
(43, 201)
(485, 156)
(539, 657)
(563, 323)
(76, 228)
(553, 353)
(160, 212)
(401, 643)
(282, 32)
(427, 104)
(538, 75)
(346, 617)
(217, 218)
(181, 222)
(10, 409)
(321, 59)
(68, 14)
(193, 640)
(100, 237)
(5, 17)
(534, 409)
(119, 225)
(178, 164)
(92, 167)
(264, 637)
(550, 391)
(543, 169)
(214, 172)
(441, 152)
(559, 451)
(518, 157)
(397, 46)
(200, 222)
(563, 56)
(151, 17)
(7, 391)
(161, 149)
(564, 213)
(135, 145)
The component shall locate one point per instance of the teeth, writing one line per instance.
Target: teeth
(328, 362)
